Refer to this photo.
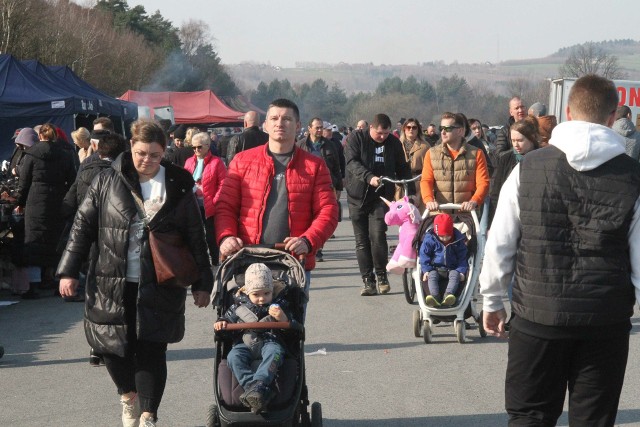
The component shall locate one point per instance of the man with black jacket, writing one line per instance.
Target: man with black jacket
(517, 111)
(251, 137)
(370, 155)
(568, 220)
(320, 146)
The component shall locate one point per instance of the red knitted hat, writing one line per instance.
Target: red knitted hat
(443, 225)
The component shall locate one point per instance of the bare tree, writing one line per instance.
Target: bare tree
(589, 58)
(194, 34)
(13, 14)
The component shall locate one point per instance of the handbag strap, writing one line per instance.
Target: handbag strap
(140, 207)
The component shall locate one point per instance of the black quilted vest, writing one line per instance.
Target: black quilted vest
(573, 265)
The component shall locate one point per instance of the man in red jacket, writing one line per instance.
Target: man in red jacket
(277, 193)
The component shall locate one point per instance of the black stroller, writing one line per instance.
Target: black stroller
(290, 407)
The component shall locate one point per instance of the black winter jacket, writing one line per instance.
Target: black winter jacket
(360, 155)
(505, 162)
(105, 216)
(330, 155)
(75, 195)
(46, 173)
(251, 138)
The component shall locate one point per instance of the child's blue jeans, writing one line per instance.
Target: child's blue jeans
(240, 358)
(434, 283)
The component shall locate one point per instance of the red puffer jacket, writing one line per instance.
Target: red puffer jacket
(312, 204)
(213, 175)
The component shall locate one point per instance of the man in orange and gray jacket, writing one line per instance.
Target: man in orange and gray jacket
(454, 171)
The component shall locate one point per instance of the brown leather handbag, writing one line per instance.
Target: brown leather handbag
(174, 264)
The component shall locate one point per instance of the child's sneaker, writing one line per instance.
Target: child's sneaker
(449, 300)
(431, 301)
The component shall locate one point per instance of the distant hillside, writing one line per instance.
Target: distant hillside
(355, 78)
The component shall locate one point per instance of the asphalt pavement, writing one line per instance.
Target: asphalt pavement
(363, 363)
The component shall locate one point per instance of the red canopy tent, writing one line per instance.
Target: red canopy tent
(188, 107)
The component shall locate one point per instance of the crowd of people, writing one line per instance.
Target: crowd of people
(563, 199)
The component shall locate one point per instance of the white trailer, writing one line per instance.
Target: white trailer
(628, 93)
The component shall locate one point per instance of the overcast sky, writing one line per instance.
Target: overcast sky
(283, 32)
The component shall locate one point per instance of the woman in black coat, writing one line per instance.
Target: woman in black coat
(129, 318)
(525, 137)
(46, 173)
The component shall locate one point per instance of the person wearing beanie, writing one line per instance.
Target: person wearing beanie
(24, 139)
(259, 300)
(443, 253)
(178, 153)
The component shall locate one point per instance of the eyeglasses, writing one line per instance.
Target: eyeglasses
(197, 147)
(154, 157)
(411, 127)
(448, 128)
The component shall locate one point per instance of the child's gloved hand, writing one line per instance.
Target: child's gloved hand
(276, 312)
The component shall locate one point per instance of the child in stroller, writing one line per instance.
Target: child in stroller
(443, 252)
(256, 301)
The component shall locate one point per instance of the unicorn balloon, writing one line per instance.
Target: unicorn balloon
(407, 216)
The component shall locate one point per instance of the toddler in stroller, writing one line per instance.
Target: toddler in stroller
(443, 253)
(257, 301)
(287, 399)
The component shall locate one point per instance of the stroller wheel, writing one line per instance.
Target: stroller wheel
(460, 331)
(408, 285)
(316, 414)
(416, 322)
(426, 332)
(212, 417)
(483, 333)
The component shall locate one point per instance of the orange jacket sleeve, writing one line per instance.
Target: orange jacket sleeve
(482, 179)
(427, 180)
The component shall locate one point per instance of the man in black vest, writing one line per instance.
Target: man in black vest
(569, 228)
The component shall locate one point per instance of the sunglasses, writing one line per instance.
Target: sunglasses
(411, 127)
(197, 147)
(448, 128)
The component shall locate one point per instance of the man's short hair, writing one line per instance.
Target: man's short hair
(593, 99)
(381, 120)
(105, 122)
(458, 119)
(286, 103)
(623, 111)
(111, 145)
(313, 120)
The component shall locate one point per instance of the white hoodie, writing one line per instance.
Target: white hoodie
(587, 146)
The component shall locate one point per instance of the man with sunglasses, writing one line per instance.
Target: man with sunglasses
(454, 171)
(370, 155)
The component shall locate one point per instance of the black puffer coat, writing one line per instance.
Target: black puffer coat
(105, 216)
(91, 167)
(46, 173)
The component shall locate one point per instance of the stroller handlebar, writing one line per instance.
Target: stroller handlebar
(262, 325)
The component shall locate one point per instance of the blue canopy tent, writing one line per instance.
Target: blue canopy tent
(128, 111)
(28, 100)
(32, 94)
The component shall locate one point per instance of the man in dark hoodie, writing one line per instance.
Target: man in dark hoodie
(625, 127)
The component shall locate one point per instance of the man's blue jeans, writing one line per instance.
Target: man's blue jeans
(240, 358)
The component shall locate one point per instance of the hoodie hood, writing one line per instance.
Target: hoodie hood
(587, 145)
(624, 127)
